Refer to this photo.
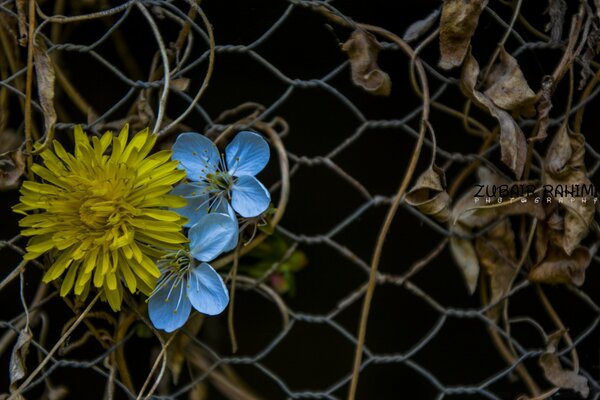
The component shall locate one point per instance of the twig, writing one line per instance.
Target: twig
(29, 89)
(166, 69)
(162, 355)
(211, 64)
(16, 395)
(13, 274)
(230, 323)
(395, 204)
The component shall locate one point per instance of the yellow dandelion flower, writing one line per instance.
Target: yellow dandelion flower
(102, 217)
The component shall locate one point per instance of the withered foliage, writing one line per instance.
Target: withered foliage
(532, 129)
(362, 49)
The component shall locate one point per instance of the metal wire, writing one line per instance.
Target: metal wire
(160, 13)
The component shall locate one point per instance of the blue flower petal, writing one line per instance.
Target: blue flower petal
(249, 197)
(207, 291)
(211, 235)
(197, 204)
(247, 154)
(197, 154)
(169, 311)
(222, 206)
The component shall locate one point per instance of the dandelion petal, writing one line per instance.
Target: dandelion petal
(249, 197)
(211, 235)
(169, 311)
(197, 154)
(247, 154)
(206, 290)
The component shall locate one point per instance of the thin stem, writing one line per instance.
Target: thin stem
(230, 312)
(393, 208)
(211, 64)
(29, 88)
(17, 394)
(162, 355)
(558, 323)
(166, 69)
(120, 360)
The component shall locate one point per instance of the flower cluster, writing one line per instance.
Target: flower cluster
(101, 215)
(219, 188)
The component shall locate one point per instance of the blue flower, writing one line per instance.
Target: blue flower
(215, 179)
(183, 285)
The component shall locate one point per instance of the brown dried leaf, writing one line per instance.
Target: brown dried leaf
(507, 87)
(457, 25)
(464, 255)
(199, 392)
(556, 374)
(44, 71)
(591, 51)
(565, 166)
(468, 215)
(18, 365)
(56, 393)
(543, 110)
(9, 140)
(558, 267)
(471, 214)
(420, 27)
(429, 194)
(556, 10)
(498, 256)
(513, 145)
(180, 84)
(362, 49)
(12, 167)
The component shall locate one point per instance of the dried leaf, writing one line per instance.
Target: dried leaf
(513, 145)
(362, 49)
(12, 167)
(507, 87)
(498, 256)
(465, 257)
(470, 214)
(44, 71)
(429, 194)
(198, 392)
(420, 27)
(559, 152)
(180, 84)
(558, 267)
(18, 365)
(9, 140)
(556, 374)
(543, 110)
(556, 10)
(56, 393)
(457, 25)
(591, 51)
(565, 168)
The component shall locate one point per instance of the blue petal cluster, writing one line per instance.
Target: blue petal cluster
(218, 187)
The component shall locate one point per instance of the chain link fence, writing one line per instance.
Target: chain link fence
(279, 65)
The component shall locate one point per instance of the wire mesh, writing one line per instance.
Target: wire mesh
(335, 210)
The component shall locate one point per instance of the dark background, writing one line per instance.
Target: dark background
(313, 356)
